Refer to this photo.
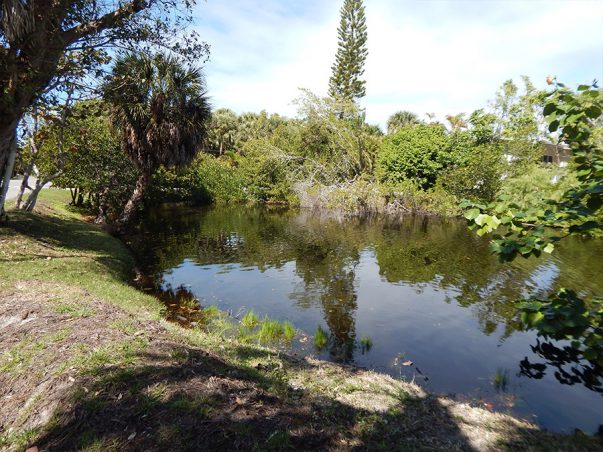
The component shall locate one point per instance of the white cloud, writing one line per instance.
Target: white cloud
(425, 56)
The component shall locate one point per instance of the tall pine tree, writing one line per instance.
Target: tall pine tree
(346, 83)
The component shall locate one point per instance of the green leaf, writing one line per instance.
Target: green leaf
(554, 126)
(593, 112)
(549, 248)
(535, 317)
(481, 219)
(472, 214)
(596, 189)
(549, 108)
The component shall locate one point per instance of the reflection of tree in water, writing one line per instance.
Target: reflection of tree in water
(569, 367)
(326, 259)
(417, 251)
(445, 254)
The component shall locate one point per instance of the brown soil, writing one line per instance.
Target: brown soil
(80, 373)
(170, 396)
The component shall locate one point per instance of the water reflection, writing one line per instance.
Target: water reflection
(566, 364)
(380, 279)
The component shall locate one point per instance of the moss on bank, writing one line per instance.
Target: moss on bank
(88, 363)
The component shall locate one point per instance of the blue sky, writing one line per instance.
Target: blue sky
(436, 56)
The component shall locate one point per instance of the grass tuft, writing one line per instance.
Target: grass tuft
(288, 331)
(250, 320)
(270, 331)
(321, 338)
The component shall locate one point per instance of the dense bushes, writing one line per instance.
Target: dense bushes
(206, 180)
(329, 157)
(95, 168)
(477, 175)
(532, 189)
(415, 153)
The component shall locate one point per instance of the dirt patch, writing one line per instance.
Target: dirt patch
(47, 330)
(79, 370)
(99, 379)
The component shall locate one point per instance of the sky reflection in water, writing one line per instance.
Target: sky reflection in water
(423, 290)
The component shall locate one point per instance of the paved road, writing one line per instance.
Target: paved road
(13, 187)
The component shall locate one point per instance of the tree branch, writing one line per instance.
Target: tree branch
(104, 22)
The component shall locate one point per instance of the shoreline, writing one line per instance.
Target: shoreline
(88, 361)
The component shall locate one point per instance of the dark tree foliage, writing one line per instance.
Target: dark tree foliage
(346, 83)
(43, 42)
(160, 108)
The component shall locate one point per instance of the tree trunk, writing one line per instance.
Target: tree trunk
(29, 205)
(33, 196)
(80, 198)
(131, 209)
(7, 163)
(24, 185)
(73, 192)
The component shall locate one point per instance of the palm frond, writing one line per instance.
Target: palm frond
(160, 106)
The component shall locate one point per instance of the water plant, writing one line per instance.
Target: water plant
(211, 311)
(250, 320)
(321, 338)
(501, 380)
(366, 343)
(288, 331)
(270, 331)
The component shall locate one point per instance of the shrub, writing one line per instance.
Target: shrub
(476, 173)
(267, 172)
(538, 184)
(416, 153)
(406, 197)
(208, 179)
(95, 168)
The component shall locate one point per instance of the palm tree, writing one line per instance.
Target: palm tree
(222, 130)
(457, 122)
(160, 107)
(401, 119)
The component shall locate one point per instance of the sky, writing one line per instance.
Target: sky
(426, 56)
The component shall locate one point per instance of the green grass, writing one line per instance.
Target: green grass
(18, 359)
(60, 248)
(270, 331)
(197, 406)
(250, 320)
(125, 326)
(321, 338)
(288, 331)
(74, 310)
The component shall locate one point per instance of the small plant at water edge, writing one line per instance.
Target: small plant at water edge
(320, 338)
(250, 320)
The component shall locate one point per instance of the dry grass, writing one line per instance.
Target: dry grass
(86, 365)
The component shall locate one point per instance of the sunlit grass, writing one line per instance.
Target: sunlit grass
(288, 331)
(270, 331)
(58, 247)
(250, 320)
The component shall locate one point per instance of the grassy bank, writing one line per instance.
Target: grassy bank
(88, 363)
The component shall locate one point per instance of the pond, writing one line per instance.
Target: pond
(419, 298)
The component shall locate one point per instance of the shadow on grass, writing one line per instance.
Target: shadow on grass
(202, 403)
(66, 237)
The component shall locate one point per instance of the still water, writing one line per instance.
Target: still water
(426, 294)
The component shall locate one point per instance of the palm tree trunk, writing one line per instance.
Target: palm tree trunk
(131, 208)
